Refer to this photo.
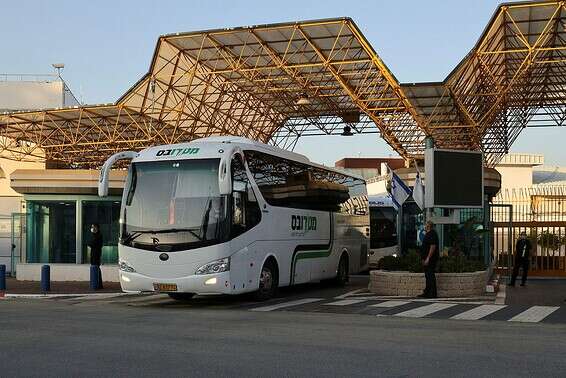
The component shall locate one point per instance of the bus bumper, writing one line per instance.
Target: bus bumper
(218, 283)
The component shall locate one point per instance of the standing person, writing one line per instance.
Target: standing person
(429, 256)
(522, 258)
(95, 245)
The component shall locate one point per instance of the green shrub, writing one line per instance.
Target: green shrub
(548, 240)
(459, 264)
(410, 262)
(389, 263)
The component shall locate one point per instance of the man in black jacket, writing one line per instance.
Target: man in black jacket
(522, 258)
(429, 256)
(95, 245)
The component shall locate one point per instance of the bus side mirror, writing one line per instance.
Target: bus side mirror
(105, 171)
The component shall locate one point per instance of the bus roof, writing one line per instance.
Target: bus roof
(211, 147)
(382, 200)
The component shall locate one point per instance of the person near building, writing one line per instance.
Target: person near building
(522, 258)
(429, 256)
(95, 245)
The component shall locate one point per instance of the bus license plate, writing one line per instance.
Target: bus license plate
(164, 287)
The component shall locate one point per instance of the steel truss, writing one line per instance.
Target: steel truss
(248, 81)
(513, 78)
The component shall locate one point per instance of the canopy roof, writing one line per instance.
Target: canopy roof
(278, 82)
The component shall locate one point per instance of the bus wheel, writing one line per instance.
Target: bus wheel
(268, 281)
(181, 296)
(342, 271)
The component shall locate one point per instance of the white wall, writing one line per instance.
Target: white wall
(9, 166)
(65, 272)
(515, 177)
(31, 95)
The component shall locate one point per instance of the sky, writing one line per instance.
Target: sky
(107, 46)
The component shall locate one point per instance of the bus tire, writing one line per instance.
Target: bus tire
(181, 296)
(342, 276)
(268, 281)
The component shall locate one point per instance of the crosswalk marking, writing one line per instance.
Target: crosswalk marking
(478, 312)
(390, 304)
(287, 304)
(534, 314)
(419, 312)
(345, 302)
(386, 306)
(353, 293)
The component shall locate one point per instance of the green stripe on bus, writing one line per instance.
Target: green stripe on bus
(312, 254)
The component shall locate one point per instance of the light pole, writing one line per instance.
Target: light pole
(59, 67)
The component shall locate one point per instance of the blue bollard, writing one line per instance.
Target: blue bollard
(2, 277)
(45, 278)
(94, 284)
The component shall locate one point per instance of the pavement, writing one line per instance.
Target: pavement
(543, 292)
(151, 335)
(354, 300)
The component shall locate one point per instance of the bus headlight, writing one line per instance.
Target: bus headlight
(125, 267)
(216, 266)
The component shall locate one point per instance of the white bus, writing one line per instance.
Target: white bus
(383, 224)
(227, 215)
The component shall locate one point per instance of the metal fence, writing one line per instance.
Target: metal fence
(12, 230)
(541, 213)
(5, 241)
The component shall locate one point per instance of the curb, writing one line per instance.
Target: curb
(48, 296)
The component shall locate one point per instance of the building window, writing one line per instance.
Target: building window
(51, 236)
(107, 215)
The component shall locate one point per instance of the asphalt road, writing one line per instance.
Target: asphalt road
(50, 338)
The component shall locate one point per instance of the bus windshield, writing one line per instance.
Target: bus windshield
(174, 205)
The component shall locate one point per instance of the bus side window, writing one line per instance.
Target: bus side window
(245, 208)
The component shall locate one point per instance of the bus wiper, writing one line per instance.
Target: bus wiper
(133, 235)
(136, 233)
(174, 230)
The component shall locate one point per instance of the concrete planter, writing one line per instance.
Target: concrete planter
(449, 285)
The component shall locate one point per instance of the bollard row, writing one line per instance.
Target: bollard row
(95, 278)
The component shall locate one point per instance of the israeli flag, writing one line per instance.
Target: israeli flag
(399, 191)
(418, 192)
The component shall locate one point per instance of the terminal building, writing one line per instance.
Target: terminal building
(23, 92)
(273, 83)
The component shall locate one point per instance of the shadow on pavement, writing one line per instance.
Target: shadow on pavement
(325, 289)
(537, 292)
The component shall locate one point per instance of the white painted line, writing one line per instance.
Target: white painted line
(372, 298)
(501, 294)
(94, 297)
(350, 293)
(345, 302)
(298, 302)
(390, 304)
(48, 296)
(534, 314)
(425, 310)
(478, 312)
